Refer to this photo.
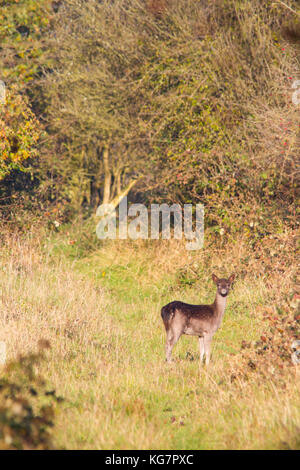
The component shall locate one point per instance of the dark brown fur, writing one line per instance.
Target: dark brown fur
(189, 312)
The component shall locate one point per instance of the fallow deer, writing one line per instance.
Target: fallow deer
(196, 320)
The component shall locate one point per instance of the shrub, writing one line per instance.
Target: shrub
(27, 406)
(19, 132)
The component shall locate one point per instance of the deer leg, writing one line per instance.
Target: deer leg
(172, 338)
(201, 346)
(207, 346)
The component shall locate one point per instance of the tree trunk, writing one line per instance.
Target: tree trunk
(116, 200)
(111, 195)
(107, 176)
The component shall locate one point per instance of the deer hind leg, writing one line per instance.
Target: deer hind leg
(172, 338)
(207, 347)
(201, 346)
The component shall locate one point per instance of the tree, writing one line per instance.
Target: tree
(22, 24)
(19, 134)
(176, 92)
(93, 100)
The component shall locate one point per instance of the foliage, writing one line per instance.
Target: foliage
(270, 356)
(194, 97)
(90, 96)
(179, 93)
(20, 132)
(27, 406)
(214, 126)
(175, 92)
(22, 25)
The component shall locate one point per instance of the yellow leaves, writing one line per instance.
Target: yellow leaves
(20, 156)
(19, 133)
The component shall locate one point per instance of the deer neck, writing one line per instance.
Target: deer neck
(219, 306)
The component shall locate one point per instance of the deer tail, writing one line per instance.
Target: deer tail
(167, 314)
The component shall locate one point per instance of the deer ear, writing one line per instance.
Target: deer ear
(232, 278)
(215, 278)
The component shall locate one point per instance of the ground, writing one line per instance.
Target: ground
(100, 310)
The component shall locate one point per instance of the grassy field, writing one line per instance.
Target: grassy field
(100, 310)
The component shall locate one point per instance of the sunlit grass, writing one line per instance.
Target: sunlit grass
(101, 313)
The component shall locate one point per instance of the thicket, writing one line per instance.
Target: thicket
(183, 101)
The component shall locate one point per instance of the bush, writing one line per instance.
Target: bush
(20, 132)
(27, 407)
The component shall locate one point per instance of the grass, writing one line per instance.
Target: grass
(101, 313)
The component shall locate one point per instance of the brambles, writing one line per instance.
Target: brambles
(271, 355)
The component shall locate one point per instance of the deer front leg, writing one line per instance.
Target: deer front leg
(201, 346)
(207, 347)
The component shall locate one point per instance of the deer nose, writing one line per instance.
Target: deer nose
(223, 291)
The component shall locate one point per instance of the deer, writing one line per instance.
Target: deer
(197, 320)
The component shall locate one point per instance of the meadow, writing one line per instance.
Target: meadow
(100, 310)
